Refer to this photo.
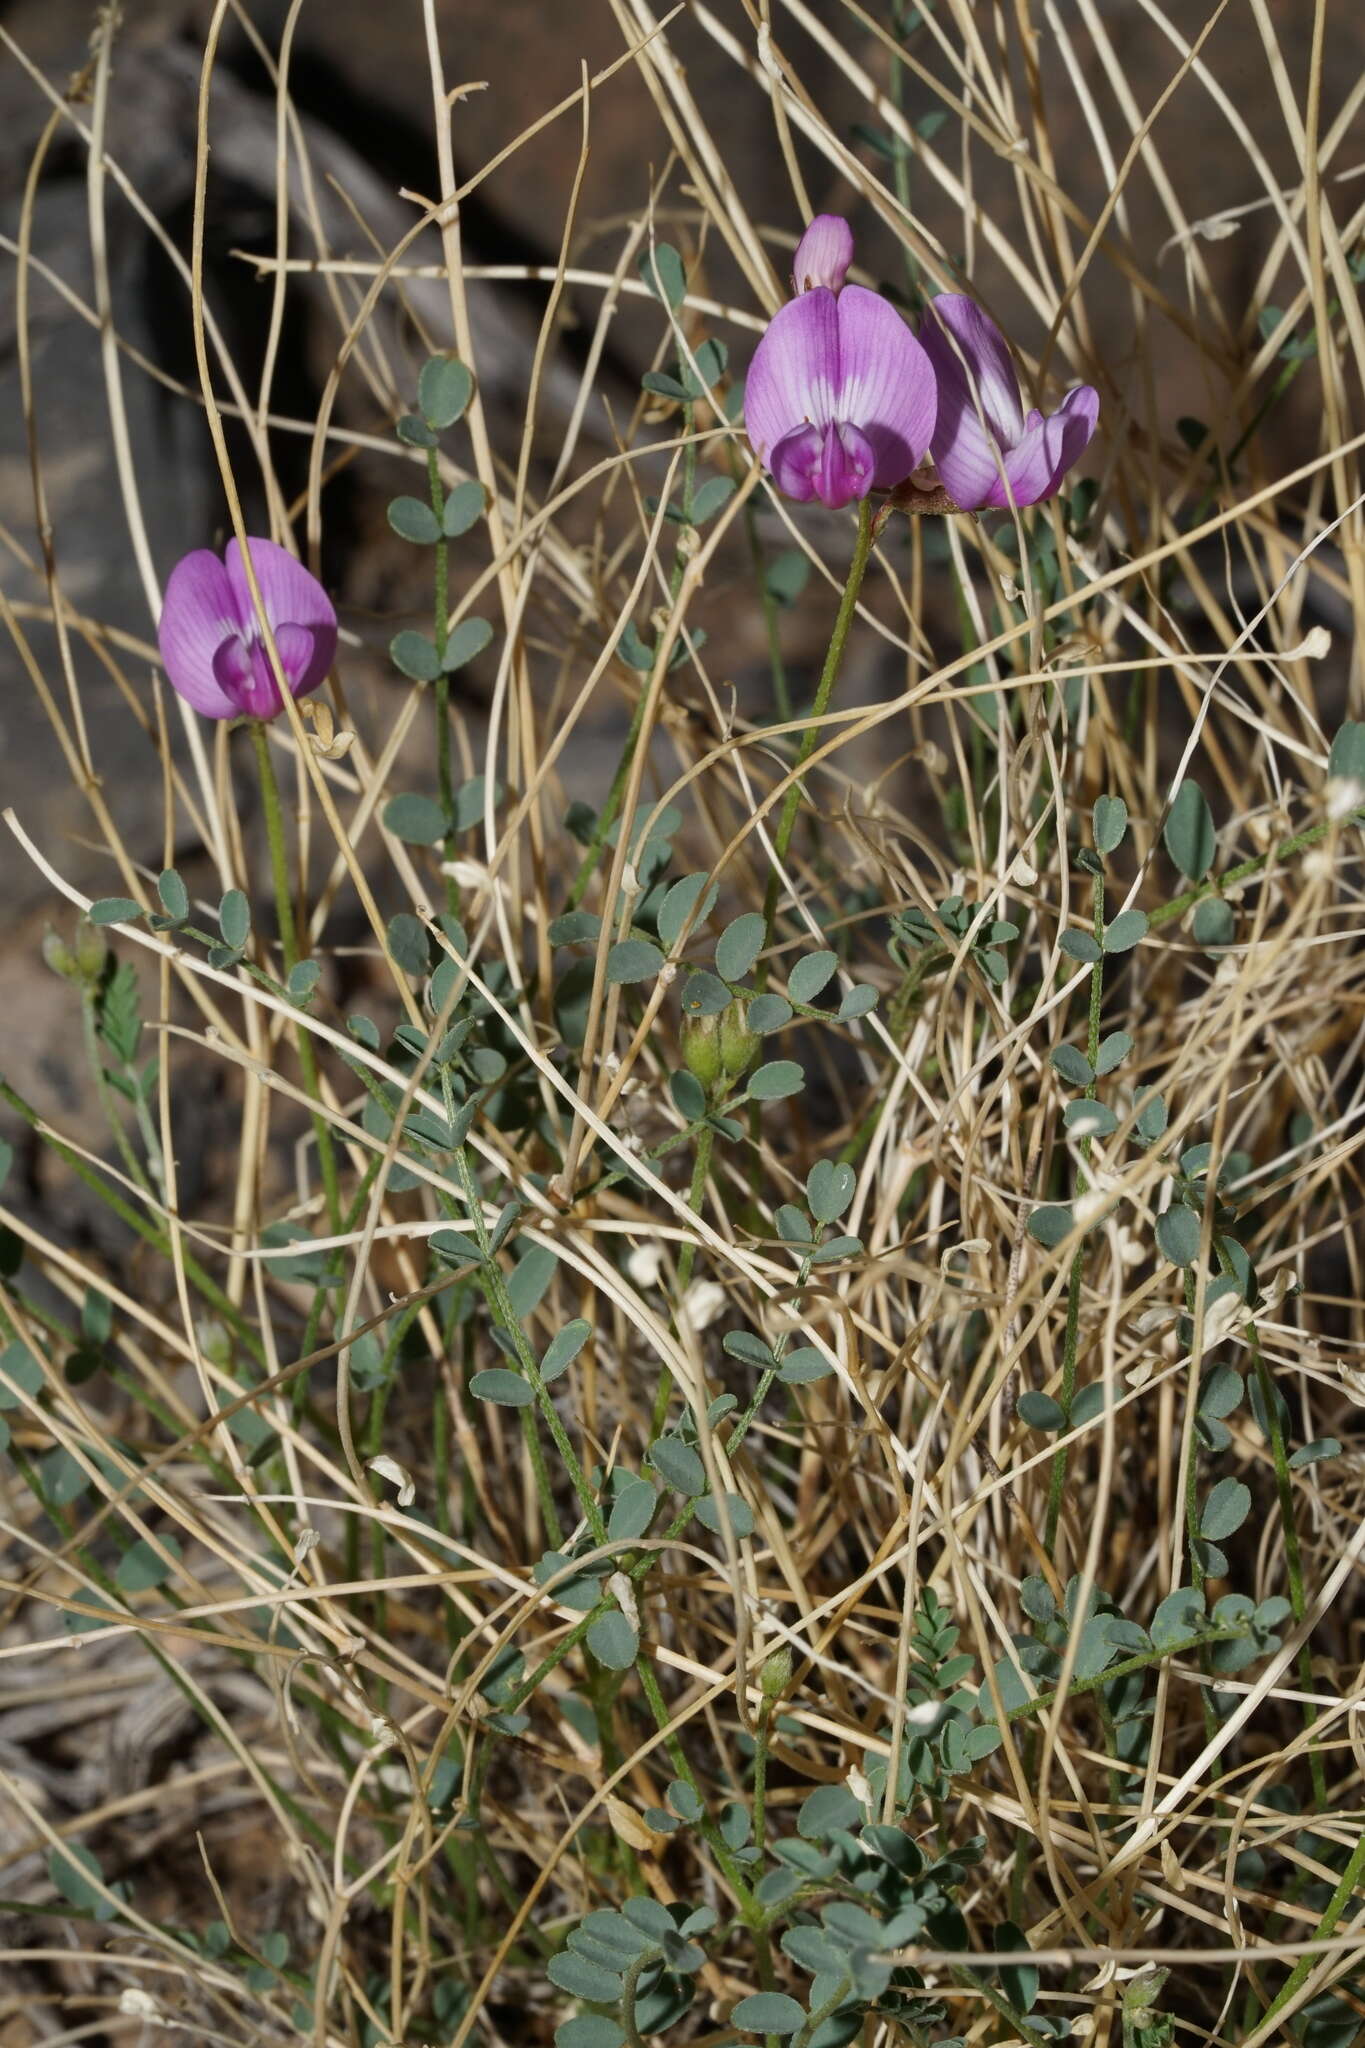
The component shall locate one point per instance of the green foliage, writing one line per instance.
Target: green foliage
(738, 946)
(1110, 823)
(662, 270)
(444, 389)
(787, 576)
(418, 820)
(464, 506)
(957, 920)
(1050, 1224)
(415, 655)
(1346, 759)
(175, 897)
(614, 1641)
(779, 1078)
(809, 975)
(686, 904)
(1214, 923)
(118, 1009)
(1072, 1065)
(830, 1187)
(408, 940)
(1127, 929)
(634, 960)
(1178, 1235)
(701, 1350)
(1188, 832)
(1040, 1411)
(71, 1869)
(1113, 1050)
(768, 2012)
(1225, 1510)
(678, 1465)
(506, 1389)
(413, 519)
(234, 919)
(466, 640)
(114, 910)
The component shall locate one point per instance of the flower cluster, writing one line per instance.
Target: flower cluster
(842, 399)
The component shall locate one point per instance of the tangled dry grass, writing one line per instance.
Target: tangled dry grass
(303, 1734)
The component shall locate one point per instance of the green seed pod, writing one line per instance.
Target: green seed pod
(776, 1674)
(84, 961)
(92, 951)
(701, 1043)
(59, 956)
(739, 1047)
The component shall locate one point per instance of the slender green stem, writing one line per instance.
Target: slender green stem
(1076, 1277)
(491, 1280)
(441, 599)
(629, 1986)
(113, 1115)
(445, 781)
(765, 1715)
(1286, 850)
(1336, 1906)
(289, 947)
(1197, 1573)
(644, 1564)
(829, 676)
(150, 1138)
(1070, 1348)
(1143, 1661)
(312, 1331)
(823, 2011)
(750, 1911)
(279, 857)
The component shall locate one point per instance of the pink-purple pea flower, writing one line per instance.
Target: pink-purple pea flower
(986, 450)
(211, 642)
(840, 396)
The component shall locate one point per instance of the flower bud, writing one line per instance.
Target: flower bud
(823, 254)
(738, 1044)
(776, 1674)
(701, 1049)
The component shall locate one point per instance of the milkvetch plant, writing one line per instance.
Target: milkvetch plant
(680, 1295)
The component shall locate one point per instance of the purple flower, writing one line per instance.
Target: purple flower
(210, 636)
(977, 381)
(840, 396)
(823, 254)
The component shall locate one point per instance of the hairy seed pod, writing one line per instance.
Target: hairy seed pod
(739, 1045)
(701, 1049)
